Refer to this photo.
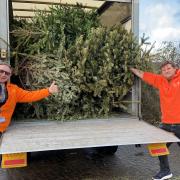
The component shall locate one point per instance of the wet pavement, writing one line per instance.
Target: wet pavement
(128, 163)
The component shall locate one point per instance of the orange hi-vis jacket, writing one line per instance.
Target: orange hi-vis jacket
(18, 95)
(169, 93)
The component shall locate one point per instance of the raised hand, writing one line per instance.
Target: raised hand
(53, 88)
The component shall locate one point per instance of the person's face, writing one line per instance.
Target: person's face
(168, 71)
(5, 73)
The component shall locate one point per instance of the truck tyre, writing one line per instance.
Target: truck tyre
(106, 150)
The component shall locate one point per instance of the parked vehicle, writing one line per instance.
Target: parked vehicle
(103, 134)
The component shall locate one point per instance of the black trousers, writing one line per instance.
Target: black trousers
(174, 128)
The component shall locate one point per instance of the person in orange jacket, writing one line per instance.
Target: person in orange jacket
(10, 94)
(168, 84)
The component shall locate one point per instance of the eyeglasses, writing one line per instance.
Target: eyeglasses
(5, 72)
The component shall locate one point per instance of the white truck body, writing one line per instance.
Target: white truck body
(42, 135)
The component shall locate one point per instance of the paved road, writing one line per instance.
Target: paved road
(129, 163)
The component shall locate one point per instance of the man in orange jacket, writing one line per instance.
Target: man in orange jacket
(168, 84)
(11, 94)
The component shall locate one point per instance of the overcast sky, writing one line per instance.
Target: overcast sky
(160, 20)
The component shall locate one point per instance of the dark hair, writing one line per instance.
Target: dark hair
(164, 63)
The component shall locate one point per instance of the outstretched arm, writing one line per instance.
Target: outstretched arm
(137, 72)
(31, 96)
(152, 79)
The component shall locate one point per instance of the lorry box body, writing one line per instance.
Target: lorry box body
(43, 135)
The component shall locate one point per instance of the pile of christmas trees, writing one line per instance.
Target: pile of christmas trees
(89, 63)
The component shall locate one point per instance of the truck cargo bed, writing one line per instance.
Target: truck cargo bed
(43, 135)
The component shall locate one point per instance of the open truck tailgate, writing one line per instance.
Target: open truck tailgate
(31, 136)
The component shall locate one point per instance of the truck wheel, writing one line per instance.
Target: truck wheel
(106, 150)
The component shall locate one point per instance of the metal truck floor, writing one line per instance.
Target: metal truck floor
(40, 135)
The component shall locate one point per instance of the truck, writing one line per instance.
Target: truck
(103, 134)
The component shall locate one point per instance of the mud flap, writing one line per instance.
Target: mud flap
(14, 160)
(158, 149)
